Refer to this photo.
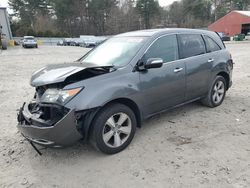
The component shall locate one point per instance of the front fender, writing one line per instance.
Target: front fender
(99, 92)
(105, 96)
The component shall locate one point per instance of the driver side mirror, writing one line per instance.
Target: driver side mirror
(153, 63)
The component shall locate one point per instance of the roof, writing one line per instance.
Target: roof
(240, 13)
(141, 33)
(152, 32)
(245, 13)
(3, 7)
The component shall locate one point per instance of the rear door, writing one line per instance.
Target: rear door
(197, 62)
(163, 87)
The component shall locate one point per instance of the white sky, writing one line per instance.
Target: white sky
(165, 2)
(162, 2)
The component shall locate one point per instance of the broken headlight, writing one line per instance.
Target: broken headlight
(59, 96)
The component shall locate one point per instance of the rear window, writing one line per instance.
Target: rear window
(212, 46)
(191, 45)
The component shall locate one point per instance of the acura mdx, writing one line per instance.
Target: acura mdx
(105, 95)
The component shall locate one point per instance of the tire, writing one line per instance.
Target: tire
(108, 135)
(4, 44)
(216, 94)
(36, 46)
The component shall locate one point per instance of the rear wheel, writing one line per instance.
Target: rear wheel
(113, 128)
(216, 93)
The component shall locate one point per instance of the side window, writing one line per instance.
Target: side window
(212, 46)
(191, 45)
(165, 47)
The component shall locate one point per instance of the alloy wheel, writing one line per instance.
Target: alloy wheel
(117, 130)
(218, 92)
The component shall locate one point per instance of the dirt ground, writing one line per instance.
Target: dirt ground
(192, 146)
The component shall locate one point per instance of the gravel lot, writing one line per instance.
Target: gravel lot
(192, 146)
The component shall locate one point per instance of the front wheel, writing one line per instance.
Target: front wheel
(216, 93)
(113, 128)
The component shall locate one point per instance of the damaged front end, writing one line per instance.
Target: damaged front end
(49, 125)
(46, 120)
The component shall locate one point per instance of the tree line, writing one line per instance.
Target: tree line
(64, 18)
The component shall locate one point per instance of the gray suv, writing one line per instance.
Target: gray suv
(106, 94)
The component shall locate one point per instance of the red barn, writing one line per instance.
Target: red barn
(233, 23)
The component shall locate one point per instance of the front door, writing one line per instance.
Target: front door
(163, 87)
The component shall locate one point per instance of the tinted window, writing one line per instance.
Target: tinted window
(212, 46)
(165, 47)
(191, 45)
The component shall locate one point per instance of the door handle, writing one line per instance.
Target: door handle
(178, 70)
(210, 61)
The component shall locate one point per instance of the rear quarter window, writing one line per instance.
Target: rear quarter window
(191, 45)
(211, 45)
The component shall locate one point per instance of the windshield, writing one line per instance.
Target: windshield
(117, 51)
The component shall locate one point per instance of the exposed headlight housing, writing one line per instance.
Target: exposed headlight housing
(59, 96)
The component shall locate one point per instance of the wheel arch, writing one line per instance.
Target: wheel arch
(131, 104)
(125, 101)
(225, 75)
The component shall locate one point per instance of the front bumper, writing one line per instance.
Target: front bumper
(62, 133)
(31, 45)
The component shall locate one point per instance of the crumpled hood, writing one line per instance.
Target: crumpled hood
(59, 72)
